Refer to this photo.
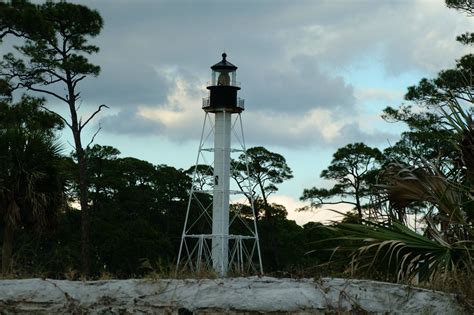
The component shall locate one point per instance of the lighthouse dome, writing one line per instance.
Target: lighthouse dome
(224, 64)
(223, 89)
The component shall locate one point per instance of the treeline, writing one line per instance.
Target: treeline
(137, 216)
(137, 209)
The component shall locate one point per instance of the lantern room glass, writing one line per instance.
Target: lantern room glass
(224, 77)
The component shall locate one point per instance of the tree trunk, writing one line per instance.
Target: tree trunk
(85, 215)
(359, 209)
(7, 248)
(83, 195)
(358, 205)
(83, 182)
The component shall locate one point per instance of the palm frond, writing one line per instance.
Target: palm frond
(398, 250)
(405, 185)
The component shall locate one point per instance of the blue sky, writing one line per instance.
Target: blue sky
(315, 74)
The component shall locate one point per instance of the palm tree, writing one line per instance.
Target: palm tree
(30, 188)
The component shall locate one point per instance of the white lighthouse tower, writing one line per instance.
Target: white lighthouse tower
(220, 230)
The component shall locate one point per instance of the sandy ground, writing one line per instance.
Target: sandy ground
(251, 295)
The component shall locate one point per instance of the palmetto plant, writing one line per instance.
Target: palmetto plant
(397, 253)
(30, 189)
(447, 245)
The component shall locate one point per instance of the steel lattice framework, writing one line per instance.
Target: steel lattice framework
(231, 247)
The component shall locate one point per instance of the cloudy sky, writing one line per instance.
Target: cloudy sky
(315, 74)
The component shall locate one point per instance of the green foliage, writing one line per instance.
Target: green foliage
(427, 137)
(277, 242)
(31, 190)
(354, 169)
(432, 166)
(466, 38)
(18, 18)
(266, 170)
(53, 253)
(137, 211)
(397, 253)
(27, 116)
(435, 127)
(407, 185)
(56, 41)
(465, 6)
(450, 84)
(204, 176)
(52, 57)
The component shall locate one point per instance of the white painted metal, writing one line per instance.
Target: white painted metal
(207, 242)
(220, 207)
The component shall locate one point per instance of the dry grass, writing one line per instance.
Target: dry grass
(459, 283)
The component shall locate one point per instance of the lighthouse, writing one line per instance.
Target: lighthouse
(216, 236)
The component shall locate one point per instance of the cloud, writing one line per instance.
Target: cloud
(295, 130)
(403, 36)
(425, 41)
(180, 119)
(318, 127)
(287, 51)
(299, 87)
(377, 94)
(127, 83)
(155, 59)
(130, 122)
(352, 132)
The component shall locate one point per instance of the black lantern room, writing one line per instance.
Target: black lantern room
(223, 89)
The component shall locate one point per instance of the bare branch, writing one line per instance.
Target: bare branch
(77, 81)
(52, 81)
(12, 32)
(29, 87)
(81, 126)
(319, 204)
(93, 137)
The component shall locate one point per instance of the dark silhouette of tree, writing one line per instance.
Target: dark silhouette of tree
(53, 58)
(31, 190)
(466, 6)
(204, 176)
(440, 177)
(266, 170)
(432, 120)
(353, 168)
